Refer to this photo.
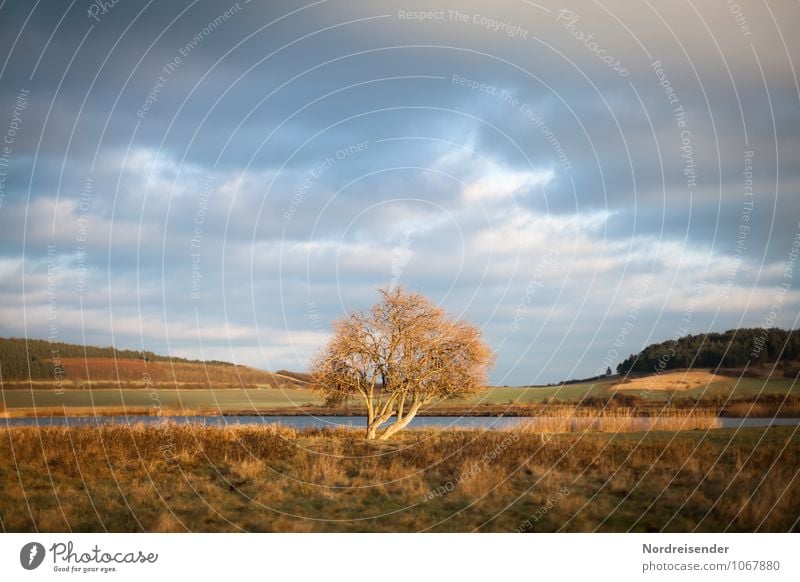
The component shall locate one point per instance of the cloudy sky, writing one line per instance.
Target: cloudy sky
(223, 180)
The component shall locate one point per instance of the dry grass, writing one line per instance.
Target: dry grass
(574, 419)
(756, 410)
(671, 381)
(192, 478)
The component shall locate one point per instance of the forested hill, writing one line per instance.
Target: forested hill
(730, 349)
(45, 360)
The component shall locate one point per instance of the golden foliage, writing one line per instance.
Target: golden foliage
(405, 353)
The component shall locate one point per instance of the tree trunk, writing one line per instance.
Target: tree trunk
(375, 424)
(372, 431)
(372, 428)
(402, 423)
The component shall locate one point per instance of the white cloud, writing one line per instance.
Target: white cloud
(501, 185)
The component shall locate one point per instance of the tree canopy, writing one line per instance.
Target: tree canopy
(401, 355)
(731, 349)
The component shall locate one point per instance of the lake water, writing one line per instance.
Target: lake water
(473, 422)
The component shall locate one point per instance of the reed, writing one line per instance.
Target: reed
(755, 410)
(576, 419)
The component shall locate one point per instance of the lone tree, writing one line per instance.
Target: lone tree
(403, 354)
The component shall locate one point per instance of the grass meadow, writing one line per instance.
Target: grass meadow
(173, 478)
(44, 399)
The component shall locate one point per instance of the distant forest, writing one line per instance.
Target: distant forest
(731, 349)
(37, 360)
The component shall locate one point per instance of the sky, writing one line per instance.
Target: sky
(223, 180)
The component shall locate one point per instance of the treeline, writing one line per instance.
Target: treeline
(731, 349)
(40, 359)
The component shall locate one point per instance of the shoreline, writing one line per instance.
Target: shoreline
(738, 411)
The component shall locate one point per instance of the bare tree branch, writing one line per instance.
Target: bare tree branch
(403, 354)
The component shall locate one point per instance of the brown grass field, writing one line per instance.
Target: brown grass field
(192, 478)
(671, 381)
(78, 373)
(574, 419)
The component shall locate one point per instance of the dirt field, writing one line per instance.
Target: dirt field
(672, 381)
(77, 372)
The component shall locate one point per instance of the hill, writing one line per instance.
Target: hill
(728, 352)
(70, 365)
